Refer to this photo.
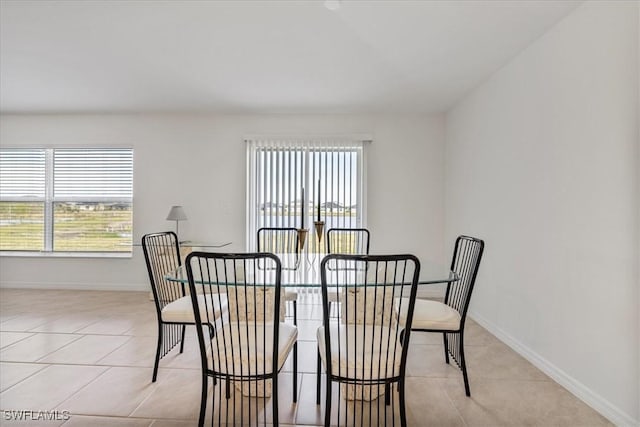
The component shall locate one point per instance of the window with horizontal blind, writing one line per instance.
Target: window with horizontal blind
(295, 183)
(66, 200)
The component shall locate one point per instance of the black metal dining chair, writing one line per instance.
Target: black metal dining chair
(362, 349)
(449, 317)
(282, 240)
(348, 241)
(248, 345)
(352, 241)
(173, 306)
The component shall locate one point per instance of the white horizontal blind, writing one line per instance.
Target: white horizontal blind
(22, 174)
(22, 199)
(72, 200)
(330, 172)
(93, 174)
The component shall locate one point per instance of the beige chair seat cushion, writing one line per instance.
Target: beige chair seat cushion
(246, 348)
(429, 314)
(181, 310)
(333, 296)
(290, 295)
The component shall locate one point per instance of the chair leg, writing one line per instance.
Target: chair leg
(295, 313)
(274, 399)
(446, 347)
(295, 372)
(387, 395)
(318, 379)
(327, 405)
(203, 400)
(184, 328)
(463, 366)
(157, 361)
(403, 410)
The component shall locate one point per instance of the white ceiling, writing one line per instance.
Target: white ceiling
(258, 56)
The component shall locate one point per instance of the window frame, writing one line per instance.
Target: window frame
(49, 200)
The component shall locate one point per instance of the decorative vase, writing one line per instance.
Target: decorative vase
(302, 238)
(319, 229)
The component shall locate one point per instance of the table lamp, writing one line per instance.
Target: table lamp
(177, 214)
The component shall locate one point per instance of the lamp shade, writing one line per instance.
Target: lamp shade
(177, 214)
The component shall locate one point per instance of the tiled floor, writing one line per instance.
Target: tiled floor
(91, 354)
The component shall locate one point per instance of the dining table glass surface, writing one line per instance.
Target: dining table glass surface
(304, 272)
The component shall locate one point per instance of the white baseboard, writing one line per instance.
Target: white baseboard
(588, 396)
(76, 286)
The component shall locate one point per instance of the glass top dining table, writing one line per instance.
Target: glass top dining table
(304, 272)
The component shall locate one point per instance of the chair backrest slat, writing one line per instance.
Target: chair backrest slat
(162, 256)
(467, 254)
(348, 241)
(278, 240)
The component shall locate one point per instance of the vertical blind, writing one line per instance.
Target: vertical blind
(294, 183)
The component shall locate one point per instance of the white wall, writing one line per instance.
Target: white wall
(541, 162)
(199, 161)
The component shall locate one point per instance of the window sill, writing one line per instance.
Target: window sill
(37, 254)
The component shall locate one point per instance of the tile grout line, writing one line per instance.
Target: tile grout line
(464, 422)
(15, 342)
(115, 349)
(25, 378)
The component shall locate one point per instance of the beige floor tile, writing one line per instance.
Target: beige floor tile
(428, 361)
(25, 322)
(307, 351)
(286, 408)
(13, 373)
(506, 389)
(36, 347)
(83, 421)
(520, 402)
(8, 338)
(429, 405)
(176, 396)
(46, 389)
(66, 324)
(498, 361)
(374, 412)
(308, 412)
(137, 351)
(174, 423)
(109, 326)
(117, 392)
(307, 329)
(87, 350)
(147, 328)
(189, 358)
